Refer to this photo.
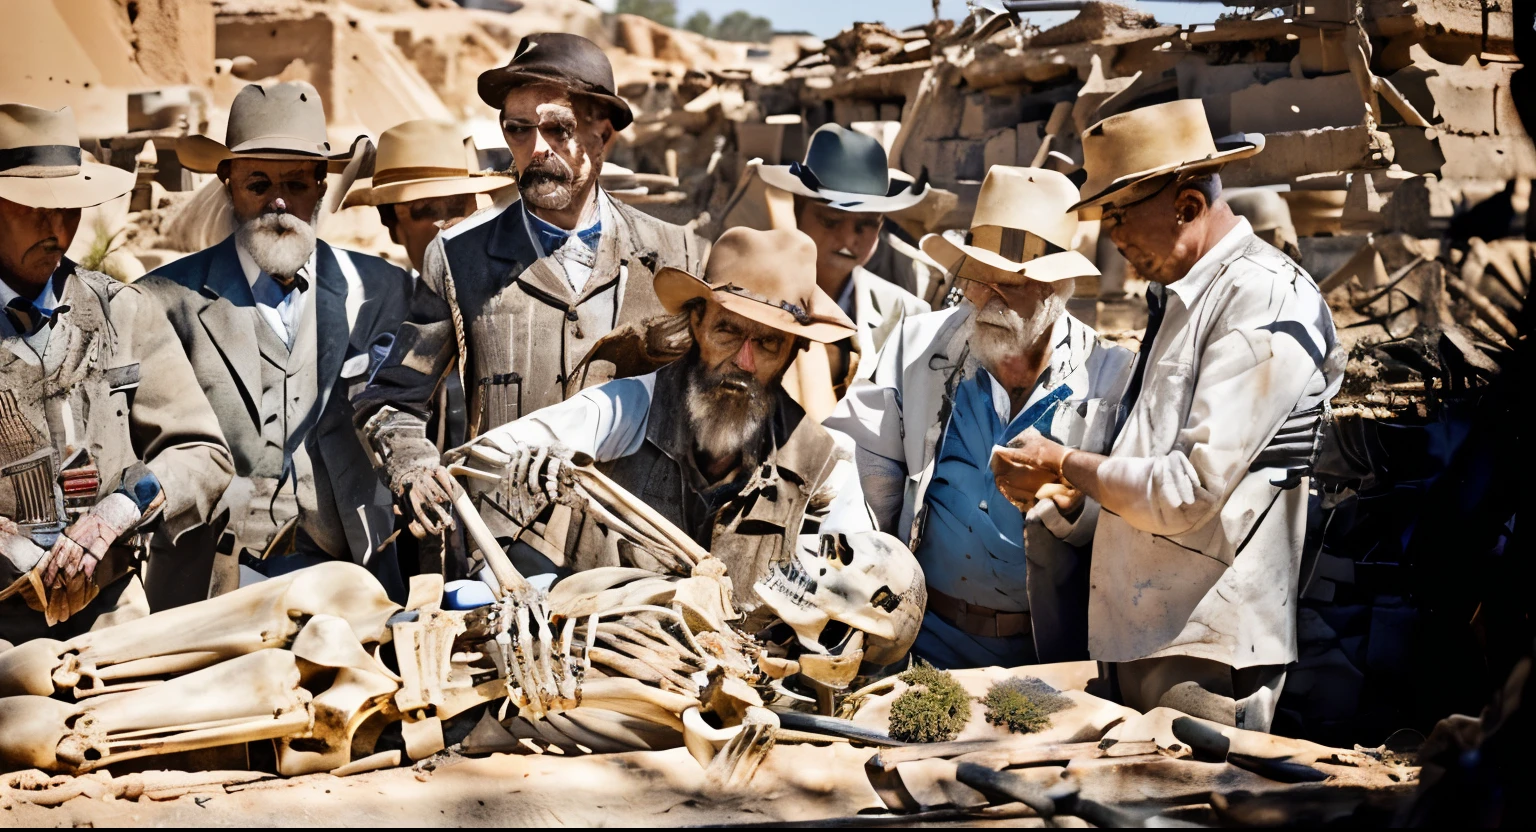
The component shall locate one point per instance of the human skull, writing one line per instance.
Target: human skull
(866, 581)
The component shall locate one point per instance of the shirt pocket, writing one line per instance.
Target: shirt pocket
(1168, 390)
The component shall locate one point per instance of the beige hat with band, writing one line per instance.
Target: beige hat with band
(283, 121)
(424, 159)
(42, 165)
(1022, 230)
(1129, 148)
(764, 276)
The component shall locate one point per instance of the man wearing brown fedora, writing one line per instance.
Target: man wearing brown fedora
(280, 327)
(711, 441)
(104, 436)
(842, 190)
(512, 299)
(1198, 547)
(424, 176)
(1003, 547)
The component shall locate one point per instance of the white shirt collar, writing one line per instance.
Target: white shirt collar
(47, 300)
(1192, 285)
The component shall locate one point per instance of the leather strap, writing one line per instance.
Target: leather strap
(975, 619)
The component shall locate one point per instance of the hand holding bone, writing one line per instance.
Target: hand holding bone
(525, 468)
(1028, 464)
(426, 494)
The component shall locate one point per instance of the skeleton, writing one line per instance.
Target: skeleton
(610, 659)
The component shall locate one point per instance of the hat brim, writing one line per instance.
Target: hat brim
(991, 267)
(413, 189)
(94, 184)
(203, 155)
(1102, 192)
(494, 84)
(675, 287)
(778, 176)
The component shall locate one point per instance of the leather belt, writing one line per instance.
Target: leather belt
(975, 619)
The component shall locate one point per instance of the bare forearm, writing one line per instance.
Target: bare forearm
(1081, 470)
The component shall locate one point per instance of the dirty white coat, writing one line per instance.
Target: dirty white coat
(1194, 555)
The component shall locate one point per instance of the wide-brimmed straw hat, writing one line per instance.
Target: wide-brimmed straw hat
(42, 165)
(283, 121)
(848, 170)
(567, 60)
(1022, 230)
(1129, 148)
(424, 159)
(764, 276)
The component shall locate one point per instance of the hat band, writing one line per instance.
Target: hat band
(390, 176)
(1015, 244)
(799, 311)
(809, 179)
(56, 156)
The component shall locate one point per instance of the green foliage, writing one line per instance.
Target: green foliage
(102, 243)
(700, 23)
(934, 709)
(1024, 704)
(661, 11)
(745, 27)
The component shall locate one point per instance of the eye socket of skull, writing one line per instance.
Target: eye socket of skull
(865, 581)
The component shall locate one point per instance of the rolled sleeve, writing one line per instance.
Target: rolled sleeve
(604, 422)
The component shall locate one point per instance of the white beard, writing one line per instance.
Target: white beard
(726, 423)
(280, 244)
(1002, 333)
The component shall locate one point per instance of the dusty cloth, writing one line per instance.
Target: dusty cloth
(119, 602)
(877, 306)
(1194, 554)
(804, 484)
(898, 417)
(111, 382)
(353, 306)
(1243, 698)
(526, 331)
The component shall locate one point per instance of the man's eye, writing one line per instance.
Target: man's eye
(258, 187)
(515, 131)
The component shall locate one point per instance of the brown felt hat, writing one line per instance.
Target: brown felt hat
(764, 276)
(1022, 230)
(570, 61)
(1129, 148)
(283, 121)
(42, 165)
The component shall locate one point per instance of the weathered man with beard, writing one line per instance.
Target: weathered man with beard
(280, 327)
(712, 441)
(512, 299)
(1007, 582)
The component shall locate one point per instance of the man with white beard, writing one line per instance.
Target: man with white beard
(280, 329)
(1007, 582)
(711, 441)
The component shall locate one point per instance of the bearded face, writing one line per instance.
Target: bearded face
(728, 409)
(1003, 331)
(279, 243)
(275, 208)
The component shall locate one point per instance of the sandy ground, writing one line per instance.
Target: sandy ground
(664, 788)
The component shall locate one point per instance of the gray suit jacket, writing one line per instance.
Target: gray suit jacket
(358, 306)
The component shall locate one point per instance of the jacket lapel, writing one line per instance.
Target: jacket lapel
(331, 330)
(513, 244)
(230, 319)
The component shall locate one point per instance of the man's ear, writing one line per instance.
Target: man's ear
(1189, 205)
(609, 136)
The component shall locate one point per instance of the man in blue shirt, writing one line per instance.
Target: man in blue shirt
(1005, 587)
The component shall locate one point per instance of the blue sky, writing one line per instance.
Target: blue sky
(825, 18)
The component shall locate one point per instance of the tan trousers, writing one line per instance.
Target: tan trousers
(1244, 698)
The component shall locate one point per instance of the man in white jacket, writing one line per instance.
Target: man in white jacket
(1197, 553)
(951, 386)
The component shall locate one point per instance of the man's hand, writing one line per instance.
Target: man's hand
(69, 570)
(1067, 499)
(1019, 478)
(426, 495)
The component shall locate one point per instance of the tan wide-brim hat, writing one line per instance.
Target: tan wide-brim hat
(1172, 138)
(764, 276)
(42, 165)
(1022, 230)
(424, 159)
(283, 122)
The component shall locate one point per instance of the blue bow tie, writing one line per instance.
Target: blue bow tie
(552, 238)
(28, 318)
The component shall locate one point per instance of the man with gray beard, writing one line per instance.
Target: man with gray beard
(711, 441)
(516, 301)
(1007, 578)
(280, 329)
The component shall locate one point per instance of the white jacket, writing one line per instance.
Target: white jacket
(879, 307)
(1194, 555)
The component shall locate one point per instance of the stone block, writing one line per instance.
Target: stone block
(1001, 149)
(1293, 104)
(1290, 155)
(1027, 141)
(973, 116)
(959, 159)
(1487, 157)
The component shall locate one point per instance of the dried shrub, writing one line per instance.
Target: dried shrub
(934, 709)
(1024, 704)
